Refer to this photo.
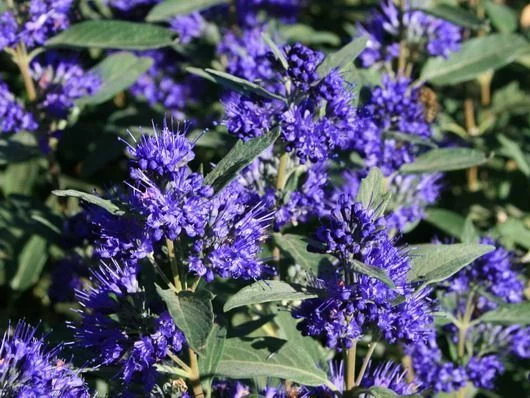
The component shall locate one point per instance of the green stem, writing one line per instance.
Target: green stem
(174, 266)
(22, 61)
(281, 179)
(366, 361)
(351, 354)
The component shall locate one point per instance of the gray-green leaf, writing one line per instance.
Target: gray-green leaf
(456, 15)
(448, 221)
(502, 17)
(241, 155)
(270, 357)
(295, 246)
(509, 314)
(341, 58)
(431, 263)
(114, 35)
(170, 8)
(373, 193)
(30, 263)
(113, 79)
(476, 56)
(210, 360)
(90, 198)
(445, 159)
(268, 291)
(192, 313)
(513, 150)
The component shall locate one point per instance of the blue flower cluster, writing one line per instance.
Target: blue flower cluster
(13, 116)
(424, 34)
(120, 326)
(356, 303)
(29, 368)
(33, 23)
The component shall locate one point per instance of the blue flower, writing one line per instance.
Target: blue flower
(28, 368)
(13, 117)
(188, 27)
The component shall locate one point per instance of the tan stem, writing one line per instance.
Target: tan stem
(351, 355)
(174, 266)
(281, 180)
(366, 361)
(195, 378)
(22, 61)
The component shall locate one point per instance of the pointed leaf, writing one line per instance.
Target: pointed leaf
(431, 263)
(502, 17)
(373, 272)
(295, 246)
(113, 34)
(240, 85)
(268, 291)
(341, 58)
(278, 53)
(241, 155)
(210, 360)
(90, 198)
(448, 221)
(270, 357)
(192, 313)
(445, 159)
(509, 314)
(373, 193)
(113, 79)
(30, 263)
(513, 150)
(456, 15)
(476, 56)
(170, 8)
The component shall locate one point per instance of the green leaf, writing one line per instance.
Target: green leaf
(343, 57)
(21, 178)
(515, 231)
(171, 370)
(192, 313)
(113, 79)
(19, 148)
(456, 15)
(307, 35)
(469, 233)
(476, 56)
(270, 357)
(431, 263)
(502, 17)
(445, 159)
(295, 246)
(509, 314)
(312, 347)
(373, 193)
(170, 8)
(210, 360)
(242, 154)
(513, 150)
(90, 198)
(238, 84)
(278, 54)
(268, 291)
(448, 221)
(383, 392)
(31, 261)
(113, 34)
(372, 272)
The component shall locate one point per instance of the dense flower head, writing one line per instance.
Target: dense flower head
(303, 63)
(520, 343)
(130, 7)
(28, 368)
(60, 82)
(235, 231)
(356, 303)
(246, 117)
(13, 117)
(119, 326)
(247, 55)
(188, 27)
(432, 371)
(38, 21)
(161, 86)
(395, 106)
(483, 371)
(160, 155)
(423, 33)
(494, 272)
